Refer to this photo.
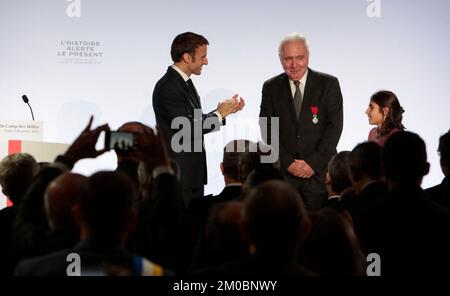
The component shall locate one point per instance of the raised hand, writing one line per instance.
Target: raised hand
(84, 144)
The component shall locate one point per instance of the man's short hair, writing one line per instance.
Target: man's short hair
(108, 204)
(338, 171)
(444, 149)
(186, 43)
(404, 158)
(126, 126)
(365, 160)
(233, 153)
(60, 196)
(290, 38)
(16, 174)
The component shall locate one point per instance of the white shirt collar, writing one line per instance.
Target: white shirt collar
(302, 84)
(334, 196)
(185, 77)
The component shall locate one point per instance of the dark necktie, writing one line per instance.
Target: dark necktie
(297, 98)
(194, 93)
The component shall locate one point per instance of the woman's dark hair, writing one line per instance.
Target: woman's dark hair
(393, 119)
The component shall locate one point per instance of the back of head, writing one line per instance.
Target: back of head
(393, 119)
(263, 173)
(128, 160)
(444, 151)
(186, 43)
(233, 153)
(16, 174)
(331, 247)
(274, 216)
(404, 158)
(255, 157)
(365, 161)
(61, 195)
(129, 127)
(224, 230)
(107, 207)
(338, 172)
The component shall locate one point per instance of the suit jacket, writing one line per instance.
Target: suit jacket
(412, 234)
(198, 212)
(302, 138)
(159, 226)
(365, 209)
(171, 99)
(441, 193)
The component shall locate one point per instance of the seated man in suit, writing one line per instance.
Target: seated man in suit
(337, 178)
(441, 193)
(17, 172)
(413, 230)
(369, 192)
(308, 105)
(230, 167)
(200, 208)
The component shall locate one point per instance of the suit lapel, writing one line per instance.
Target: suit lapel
(286, 95)
(195, 97)
(193, 102)
(308, 96)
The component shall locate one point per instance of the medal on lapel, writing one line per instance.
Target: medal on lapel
(314, 111)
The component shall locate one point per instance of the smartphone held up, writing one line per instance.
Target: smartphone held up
(120, 141)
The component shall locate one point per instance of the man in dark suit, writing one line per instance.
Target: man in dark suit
(412, 230)
(441, 193)
(199, 210)
(178, 112)
(366, 201)
(309, 107)
(337, 178)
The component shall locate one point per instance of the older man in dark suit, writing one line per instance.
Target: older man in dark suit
(309, 107)
(178, 113)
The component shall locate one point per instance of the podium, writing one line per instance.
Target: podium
(26, 136)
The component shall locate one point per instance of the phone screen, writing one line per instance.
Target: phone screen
(120, 141)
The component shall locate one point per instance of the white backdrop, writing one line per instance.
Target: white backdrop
(400, 45)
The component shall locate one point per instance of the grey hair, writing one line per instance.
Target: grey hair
(293, 37)
(16, 174)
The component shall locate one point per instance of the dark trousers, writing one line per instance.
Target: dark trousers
(313, 191)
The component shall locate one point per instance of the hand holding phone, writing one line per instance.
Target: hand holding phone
(120, 141)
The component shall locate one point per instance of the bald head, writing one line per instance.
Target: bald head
(61, 196)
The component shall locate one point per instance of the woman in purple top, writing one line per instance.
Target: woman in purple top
(385, 112)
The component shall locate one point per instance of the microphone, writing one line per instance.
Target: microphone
(25, 100)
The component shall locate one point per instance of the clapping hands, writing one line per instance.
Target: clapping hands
(230, 106)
